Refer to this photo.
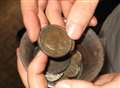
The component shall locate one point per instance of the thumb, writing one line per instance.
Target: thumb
(79, 17)
(75, 84)
(36, 77)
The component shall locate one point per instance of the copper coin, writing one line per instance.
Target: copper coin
(75, 66)
(54, 41)
(28, 51)
(55, 67)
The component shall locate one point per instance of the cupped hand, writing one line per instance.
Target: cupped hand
(34, 76)
(105, 81)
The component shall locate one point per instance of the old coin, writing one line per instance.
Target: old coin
(58, 66)
(90, 49)
(54, 41)
(75, 66)
(53, 77)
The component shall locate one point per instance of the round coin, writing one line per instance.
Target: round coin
(54, 41)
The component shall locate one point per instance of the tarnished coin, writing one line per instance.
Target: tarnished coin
(54, 41)
(75, 67)
(53, 77)
(55, 67)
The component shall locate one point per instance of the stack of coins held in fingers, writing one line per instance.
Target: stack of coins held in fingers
(68, 59)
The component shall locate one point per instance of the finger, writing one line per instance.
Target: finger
(21, 70)
(30, 18)
(42, 18)
(72, 1)
(93, 21)
(36, 71)
(114, 83)
(66, 6)
(53, 12)
(79, 17)
(102, 80)
(41, 14)
(75, 84)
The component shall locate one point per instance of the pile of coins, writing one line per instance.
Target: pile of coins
(68, 59)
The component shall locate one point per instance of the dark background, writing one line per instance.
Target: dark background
(11, 22)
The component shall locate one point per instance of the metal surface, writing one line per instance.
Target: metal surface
(57, 66)
(75, 67)
(28, 51)
(84, 62)
(54, 41)
(53, 77)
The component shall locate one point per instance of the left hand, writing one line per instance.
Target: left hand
(34, 76)
(36, 79)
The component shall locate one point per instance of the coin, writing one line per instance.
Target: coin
(75, 66)
(55, 67)
(53, 77)
(54, 41)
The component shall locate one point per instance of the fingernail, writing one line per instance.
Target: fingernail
(74, 30)
(65, 20)
(62, 85)
(32, 35)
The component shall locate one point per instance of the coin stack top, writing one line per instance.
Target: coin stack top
(54, 41)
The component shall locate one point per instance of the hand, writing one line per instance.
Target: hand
(79, 14)
(33, 16)
(105, 81)
(34, 77)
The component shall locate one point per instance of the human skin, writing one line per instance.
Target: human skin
(34, 77)
(77, 13)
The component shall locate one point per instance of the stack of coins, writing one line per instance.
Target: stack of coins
(67, 59)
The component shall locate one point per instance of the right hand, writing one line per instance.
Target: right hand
(33, 16)
(37, 14)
